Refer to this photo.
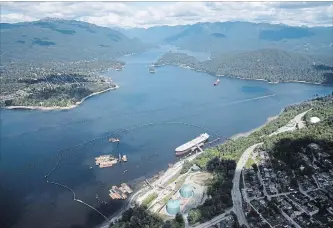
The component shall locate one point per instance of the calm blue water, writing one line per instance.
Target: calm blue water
(172, 100)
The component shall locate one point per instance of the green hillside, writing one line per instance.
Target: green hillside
(225, 37)
(55, 62)
(56, 39)
(269, 64)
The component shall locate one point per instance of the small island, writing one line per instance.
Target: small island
(272, 65)
(53, 85)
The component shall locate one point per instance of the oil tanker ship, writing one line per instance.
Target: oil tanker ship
(152, 69)
(192, 145)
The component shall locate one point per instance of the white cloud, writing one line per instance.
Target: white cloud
(15, 17)
(145, 14)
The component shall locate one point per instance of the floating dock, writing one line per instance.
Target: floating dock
(105, 161)
(120, 192)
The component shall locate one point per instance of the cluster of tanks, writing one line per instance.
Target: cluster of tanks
(174, 205)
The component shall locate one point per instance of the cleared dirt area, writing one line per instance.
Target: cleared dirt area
(201, 178)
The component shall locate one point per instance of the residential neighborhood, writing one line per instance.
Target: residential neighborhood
(272, 198)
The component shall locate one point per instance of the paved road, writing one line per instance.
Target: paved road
(213, 221)
(235, 192)
(291, 126)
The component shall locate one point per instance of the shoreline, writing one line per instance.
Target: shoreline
(278, 82)
(176, 167)
(247, 133)
(255, 79)
(265, 80)
(43, 108)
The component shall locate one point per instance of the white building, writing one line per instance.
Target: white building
(314, 120)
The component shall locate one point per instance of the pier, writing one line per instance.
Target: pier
(147, 182)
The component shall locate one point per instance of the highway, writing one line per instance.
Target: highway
(213, 221)
(235, 192)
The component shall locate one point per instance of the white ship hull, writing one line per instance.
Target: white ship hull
(191, 145)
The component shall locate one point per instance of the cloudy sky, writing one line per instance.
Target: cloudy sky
(147, 14)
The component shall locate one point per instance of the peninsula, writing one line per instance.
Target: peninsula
(272, 65)
(53, 85)
(47, 64)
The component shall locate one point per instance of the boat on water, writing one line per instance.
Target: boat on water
(114, 140)
(152, 69)
(216, 82)
(192, 145)
(124, 158)
(118, 68)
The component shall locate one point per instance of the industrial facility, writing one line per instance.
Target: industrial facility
(173, 206)
(186, 191)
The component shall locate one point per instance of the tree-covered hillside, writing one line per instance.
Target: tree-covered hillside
(270, 64)
(57, 39)
(225, 37)
(55, 62)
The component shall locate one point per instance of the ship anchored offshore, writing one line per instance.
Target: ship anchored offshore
(152, 69)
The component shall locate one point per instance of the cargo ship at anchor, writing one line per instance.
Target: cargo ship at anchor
(192, 145)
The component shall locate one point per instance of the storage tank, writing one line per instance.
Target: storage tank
(173, 207)
(186, 191)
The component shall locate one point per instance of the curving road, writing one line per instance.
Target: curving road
(235, 192)
(213, 221)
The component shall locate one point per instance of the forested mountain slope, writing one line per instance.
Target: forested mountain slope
(270, 64)
(225, 37)
(57, 39)
(56, 62)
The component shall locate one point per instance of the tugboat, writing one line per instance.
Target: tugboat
(216, 82)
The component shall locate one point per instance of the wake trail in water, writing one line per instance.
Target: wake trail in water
(64, 152)
(122, 114)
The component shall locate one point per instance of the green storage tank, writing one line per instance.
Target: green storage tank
(186, 191)
(173, 207)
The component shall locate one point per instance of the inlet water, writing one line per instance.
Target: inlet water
(151, 113)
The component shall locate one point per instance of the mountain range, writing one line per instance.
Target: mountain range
(225, 37)
(53, 39)
(58, 39)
